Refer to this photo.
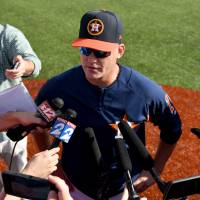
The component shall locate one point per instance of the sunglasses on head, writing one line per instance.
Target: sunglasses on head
(98, 54)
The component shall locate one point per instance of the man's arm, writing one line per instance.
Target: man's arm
(63, 189)
(22, 68)
(43, 163)
(163, 153)
(17, 45)
(10, 119)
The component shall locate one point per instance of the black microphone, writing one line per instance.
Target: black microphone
(47, 111)
(94, 147)
(196, 131)
(103, 176)
(122, 154)
(69, 115)
(145, 158)
(126, 165)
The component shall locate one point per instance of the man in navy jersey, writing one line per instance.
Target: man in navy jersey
(103, 92)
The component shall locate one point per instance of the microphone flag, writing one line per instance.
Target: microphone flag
(62, 129)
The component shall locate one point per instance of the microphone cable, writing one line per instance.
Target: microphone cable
(11, 158)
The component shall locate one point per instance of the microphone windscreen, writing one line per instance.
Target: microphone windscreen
(57, 103)
(94, 145)
(71, 114)
(132, 139)
(122, 154)
(196, 131)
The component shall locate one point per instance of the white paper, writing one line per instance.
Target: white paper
(16, 98)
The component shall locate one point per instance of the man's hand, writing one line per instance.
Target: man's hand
(10, 119)
(144, 181)
(43, 164)
(27, 118)
(23, 68)
(63, 189)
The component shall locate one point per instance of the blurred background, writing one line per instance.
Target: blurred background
(162, 37)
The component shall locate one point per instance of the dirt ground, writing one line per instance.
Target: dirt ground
(185, 160)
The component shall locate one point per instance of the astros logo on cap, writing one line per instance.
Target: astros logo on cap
(95, 27)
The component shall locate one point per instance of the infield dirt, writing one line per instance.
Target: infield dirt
(185, 160)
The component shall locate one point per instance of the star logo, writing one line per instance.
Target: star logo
(95, 27)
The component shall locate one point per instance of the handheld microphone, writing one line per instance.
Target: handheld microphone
(145, 158)
(63, 129)
(47, 111)
(126, 165)
(196, 131)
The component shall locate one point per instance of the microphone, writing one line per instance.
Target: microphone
(47, 111)
(126, 165)
(94, 147)
(103, 176)
(122, 154)
(63, 129)
(145, 158)
(196, 131)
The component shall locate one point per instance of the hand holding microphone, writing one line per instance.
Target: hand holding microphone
(46, 111)
(63, 128)
(145, 158)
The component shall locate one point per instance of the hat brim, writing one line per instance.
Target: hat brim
(94, 44)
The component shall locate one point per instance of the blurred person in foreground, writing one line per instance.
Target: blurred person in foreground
(41, 165)
(62, 194)
(17, 60)
(102, 92)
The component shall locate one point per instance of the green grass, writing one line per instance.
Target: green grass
(162, 37)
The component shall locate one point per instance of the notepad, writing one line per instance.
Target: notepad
(16, 98)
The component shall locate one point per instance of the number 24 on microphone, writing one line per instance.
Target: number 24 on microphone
(62, 129)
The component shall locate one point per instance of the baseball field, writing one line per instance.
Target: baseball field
(185, 160)
(162, 41)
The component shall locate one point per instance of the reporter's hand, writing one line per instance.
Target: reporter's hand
(26, 118)
(144, 181)
(11, 119)
(19, 71)
(43, 164)
(63, 189)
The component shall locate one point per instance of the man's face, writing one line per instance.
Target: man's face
(101, 71)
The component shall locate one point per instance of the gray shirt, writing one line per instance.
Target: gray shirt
(13, 43)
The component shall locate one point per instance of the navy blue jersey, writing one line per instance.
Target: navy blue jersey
(132, 96)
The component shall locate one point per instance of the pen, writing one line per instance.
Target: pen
(16, 65)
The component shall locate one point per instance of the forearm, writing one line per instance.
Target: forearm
(163, 153)
(8, 120)
(29, 68)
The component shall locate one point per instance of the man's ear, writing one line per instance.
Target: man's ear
(121, 50)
